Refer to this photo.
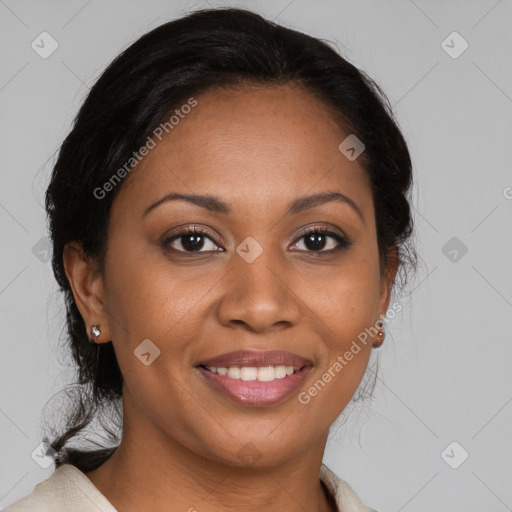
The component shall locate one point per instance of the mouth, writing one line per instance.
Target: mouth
(255, 378)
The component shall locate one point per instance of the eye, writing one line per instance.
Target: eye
(195, 239)
(315, 240)
(191, 239)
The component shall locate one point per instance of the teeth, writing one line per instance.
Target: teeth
(251, 373)
(267, 373)
(280, 371)
(234, 372)
(248, 373)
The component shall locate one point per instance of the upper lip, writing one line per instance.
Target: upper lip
(252, 358)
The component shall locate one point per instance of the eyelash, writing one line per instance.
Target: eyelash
(343, 242)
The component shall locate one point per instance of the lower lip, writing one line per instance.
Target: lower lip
(254, 392)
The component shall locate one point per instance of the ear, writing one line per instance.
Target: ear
(87, 286)
(387, 280)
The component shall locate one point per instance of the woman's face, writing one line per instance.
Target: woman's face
(250, 281)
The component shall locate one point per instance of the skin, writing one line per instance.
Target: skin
(257, 149)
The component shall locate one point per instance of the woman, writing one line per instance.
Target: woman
(229, 215)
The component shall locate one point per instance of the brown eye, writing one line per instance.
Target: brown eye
(191, 240)
(316, 240)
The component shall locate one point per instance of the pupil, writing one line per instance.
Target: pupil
(193, 242)
(313, 243)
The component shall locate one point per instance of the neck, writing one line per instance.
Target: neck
(150, 470)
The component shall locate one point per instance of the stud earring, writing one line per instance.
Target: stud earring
(95, 332)
(381, 334)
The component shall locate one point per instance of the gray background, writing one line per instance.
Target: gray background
(444, 371)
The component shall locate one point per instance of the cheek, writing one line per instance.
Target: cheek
(145, 297)
(346, 308)
(151, 300)
(346, 299)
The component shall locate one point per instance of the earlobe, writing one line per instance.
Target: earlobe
(87, 286)
(380, 335)
(387, 281)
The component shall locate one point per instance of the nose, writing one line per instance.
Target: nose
(259, 296)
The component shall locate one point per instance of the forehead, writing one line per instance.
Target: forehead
(253, 145)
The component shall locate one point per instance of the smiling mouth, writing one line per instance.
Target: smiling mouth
(254, 386)
(255, 377)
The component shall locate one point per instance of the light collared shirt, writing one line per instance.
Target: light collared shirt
(68, 489)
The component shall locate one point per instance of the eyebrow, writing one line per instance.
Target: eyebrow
(215, 204)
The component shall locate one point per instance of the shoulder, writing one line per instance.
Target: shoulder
(66, 489)
(346, 498)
